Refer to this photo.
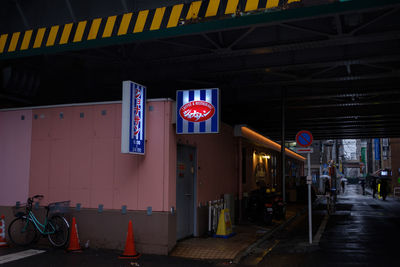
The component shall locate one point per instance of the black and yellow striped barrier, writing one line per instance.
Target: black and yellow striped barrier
(129, 23)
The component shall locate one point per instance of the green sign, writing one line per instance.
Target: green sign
(363, 150)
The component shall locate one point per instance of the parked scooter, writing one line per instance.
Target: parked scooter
(264, 206)
(259, 209)
(268, 213)
(279, 208)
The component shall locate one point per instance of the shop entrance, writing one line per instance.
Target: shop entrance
(185, 191)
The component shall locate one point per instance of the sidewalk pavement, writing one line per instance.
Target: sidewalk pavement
(247, 237)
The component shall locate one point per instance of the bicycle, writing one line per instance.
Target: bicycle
(24, 229)
(331, 201)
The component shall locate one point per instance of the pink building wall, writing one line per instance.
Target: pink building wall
(15, 150)
(78, 158)
(217, 171)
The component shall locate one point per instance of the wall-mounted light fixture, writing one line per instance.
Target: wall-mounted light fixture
(264, 156)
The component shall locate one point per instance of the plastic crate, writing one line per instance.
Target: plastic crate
(19, 210)
(59, 207)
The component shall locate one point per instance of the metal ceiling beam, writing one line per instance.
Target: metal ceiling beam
(22, 15)
(328, 80)
(337, 123)
(255, 98)
(342, 41)
(384, 15)
(365, 116)
(293, 66)
(215, 25)
(354, 127)
(15, 99)
(295, 27)
(346, 105)
(71, 11)
(323, 135)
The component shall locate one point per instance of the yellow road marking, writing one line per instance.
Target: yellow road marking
(258, 259)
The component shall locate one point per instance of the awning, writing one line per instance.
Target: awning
(252, 135)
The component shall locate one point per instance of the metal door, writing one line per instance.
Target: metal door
(185, 190)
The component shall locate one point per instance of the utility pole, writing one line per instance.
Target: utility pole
(283, 165)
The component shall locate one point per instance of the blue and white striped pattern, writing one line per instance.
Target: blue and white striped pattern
(209, 126)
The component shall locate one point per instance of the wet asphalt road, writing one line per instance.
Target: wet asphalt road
(363, 232)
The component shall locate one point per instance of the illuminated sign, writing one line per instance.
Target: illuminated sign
(197, 111)
(133, 118)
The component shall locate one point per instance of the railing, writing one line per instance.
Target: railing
(214, 210)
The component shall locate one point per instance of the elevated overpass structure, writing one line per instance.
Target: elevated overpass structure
(332, 65)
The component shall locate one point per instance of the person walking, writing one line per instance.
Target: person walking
(327, 186)
(384, 188)
(342, 183)
(373, 185)
(362, 182)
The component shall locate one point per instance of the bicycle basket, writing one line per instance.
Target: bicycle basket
(59, 207)
(19, 210)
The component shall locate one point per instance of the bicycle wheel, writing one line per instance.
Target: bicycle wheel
(22, 231)
(59, 231)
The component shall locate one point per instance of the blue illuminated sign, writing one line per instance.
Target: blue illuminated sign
(377, 149)
(133, 118)
(197, 111)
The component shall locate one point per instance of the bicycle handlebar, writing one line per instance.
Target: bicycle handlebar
(30, 200)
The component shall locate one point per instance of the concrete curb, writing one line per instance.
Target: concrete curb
(247, 251)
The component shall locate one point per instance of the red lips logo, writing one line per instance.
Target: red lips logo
(197, 111)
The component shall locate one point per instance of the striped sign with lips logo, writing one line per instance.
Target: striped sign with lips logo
(197, 111)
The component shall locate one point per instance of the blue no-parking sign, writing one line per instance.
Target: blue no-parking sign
(304, 138)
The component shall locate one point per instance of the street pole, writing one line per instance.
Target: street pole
(309, 198)
(283, 166)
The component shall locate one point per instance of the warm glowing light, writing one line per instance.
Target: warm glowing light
(268, 143)
(265, 156)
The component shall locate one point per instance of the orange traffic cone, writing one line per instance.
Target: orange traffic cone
(130, 250)
(74, 238)
(3, 242)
